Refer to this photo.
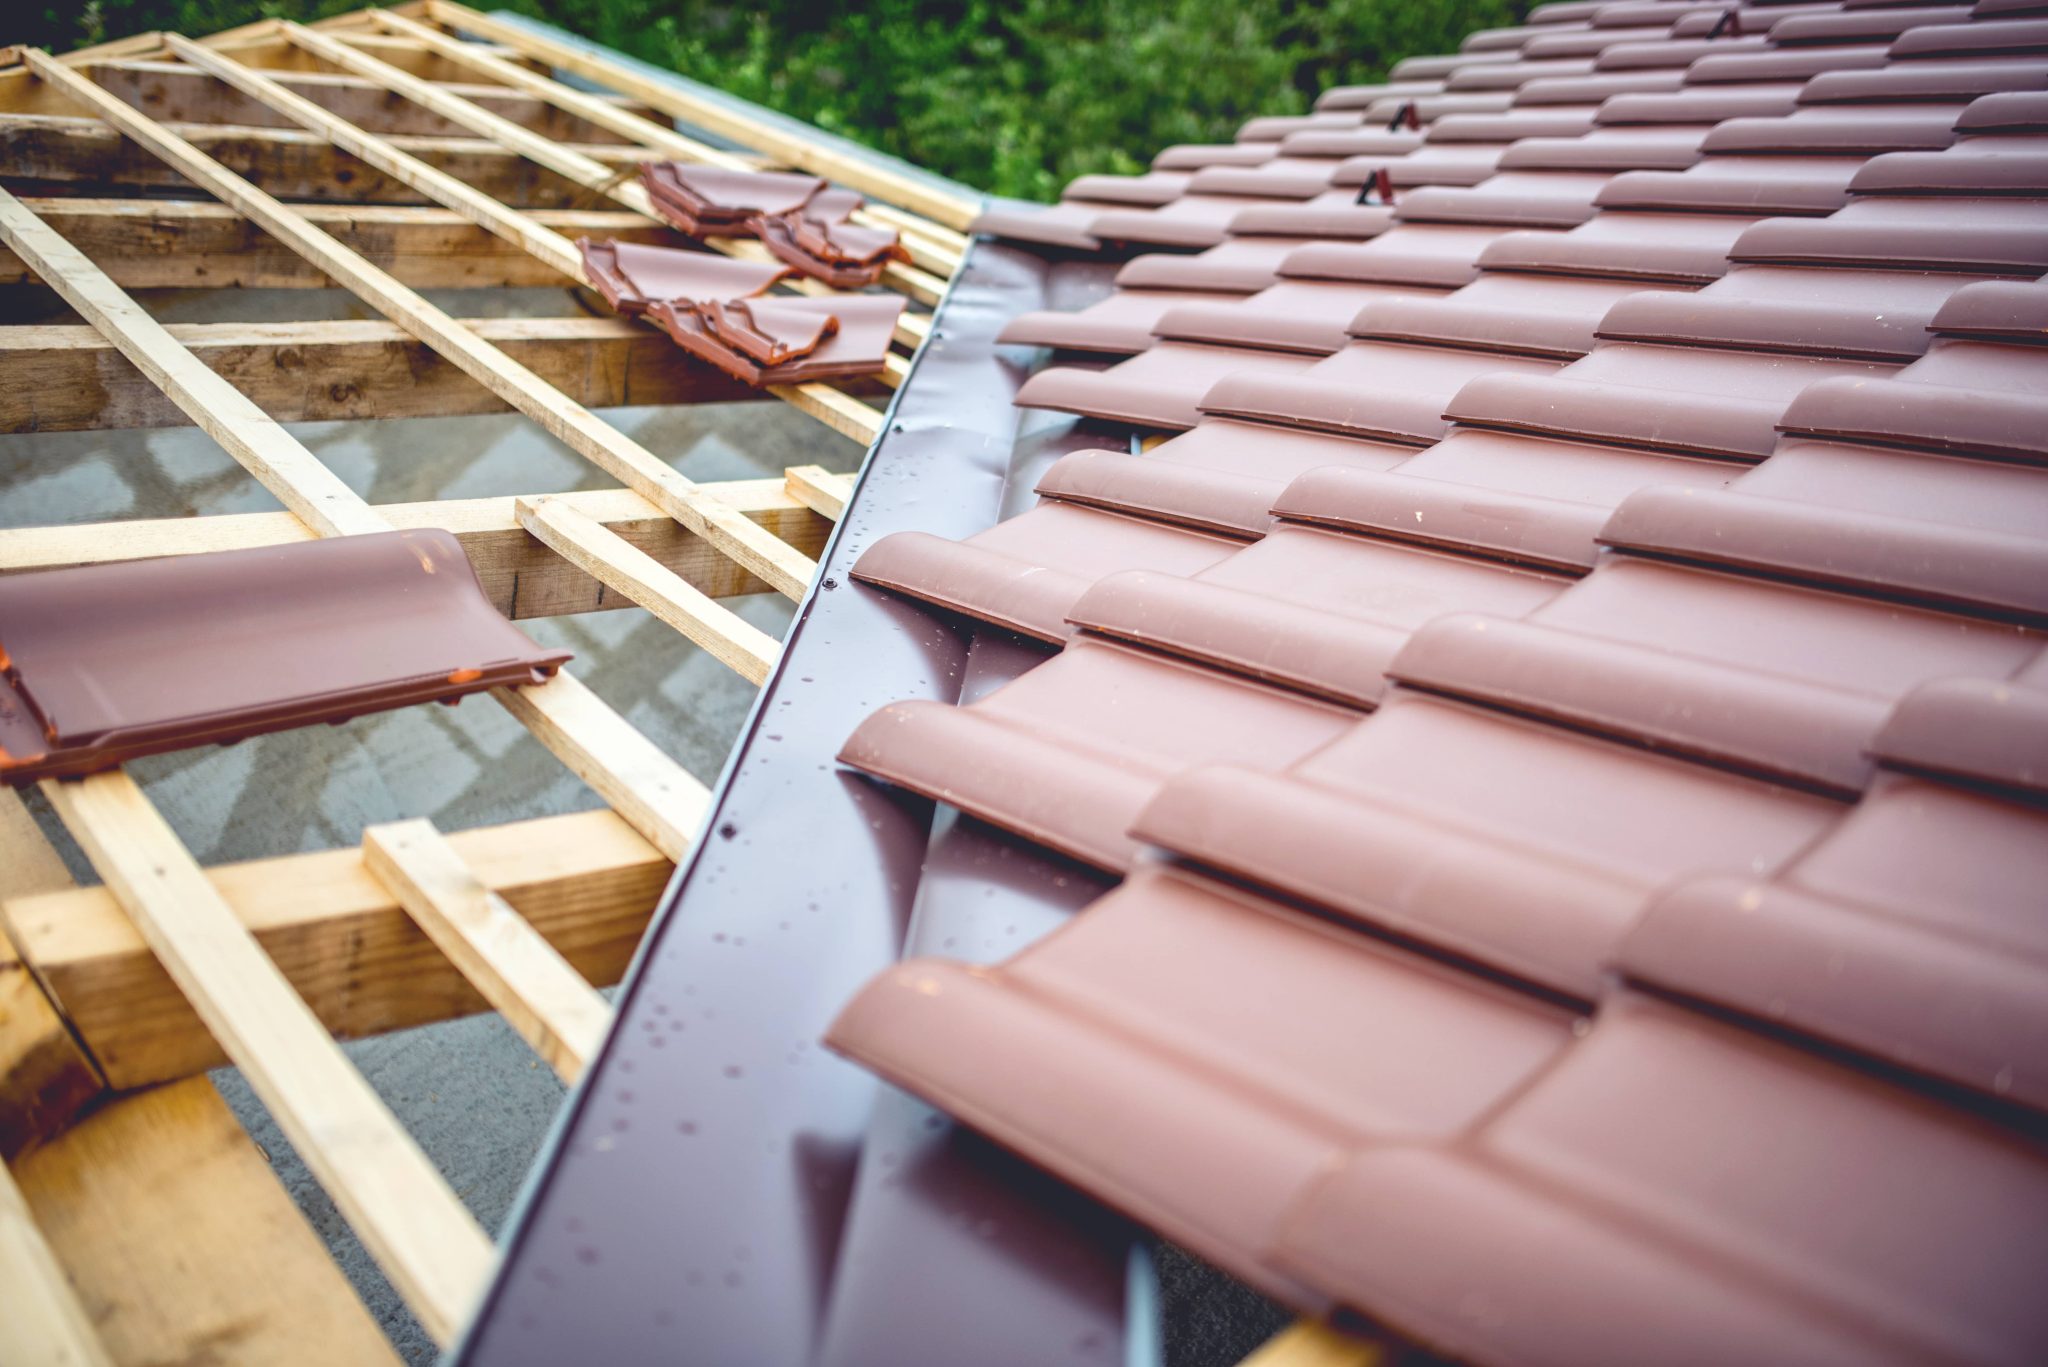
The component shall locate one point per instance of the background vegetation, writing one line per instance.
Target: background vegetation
(1012, 96)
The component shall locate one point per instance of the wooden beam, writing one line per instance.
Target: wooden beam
(46, 1079)
(817, 399)
(606, 115)
(651, 790)
(183, 1245)
(655, 795)
(284, 467)
(950, 209)
(57, 378)
(819, 489)
(639, 577)
(262, 46)
(551, 1006)
(583, 431)
(180, 1242)
(189, 244)
(40, 151)
(175, 93)
(44, 1323)
(521, 575)
(412, 1222)
(545, 244)
(587, 882)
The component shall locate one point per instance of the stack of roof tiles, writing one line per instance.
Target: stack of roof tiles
(1571, 703)
(718, 309)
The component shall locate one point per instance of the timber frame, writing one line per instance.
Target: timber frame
(423, 147)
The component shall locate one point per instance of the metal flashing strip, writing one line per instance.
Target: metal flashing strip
(708, 1176)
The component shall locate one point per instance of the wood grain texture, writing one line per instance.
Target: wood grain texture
(70, 379)
(192, 244)
(516, 970)
(424, 1239)
(521, 576)
(184, 1247)
(287, 469)
(586, 882)
(631, 572)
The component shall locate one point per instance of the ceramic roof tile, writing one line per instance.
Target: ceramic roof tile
(1691, 401)
(1510, 844)
(1823, 130)
(1278, 1099)
(1762, 675)
(1220, 475)
(1293, 315)
(1511, 313)
(102, 664)
(1758, 1198)
(1925, 81)
(1511, 199)
(1369, 389)
(1783, 64)
(1689, 249)
(1306, 607)
(1911, 932)
(1965, 534)
(1189, 156)
(1968, 398)
(1738, 185)
(1702, 104)
(1070, 752)
(1988, 734)
(1862, 25)
(1538, 500)
(1818, 312)
(1997, 310)
(1118, 325)
(1999, 37)
(1026, 573)
(1239, 266)
(1441, 255)
(1149, 190)
(1162, 387)
(1337, 215)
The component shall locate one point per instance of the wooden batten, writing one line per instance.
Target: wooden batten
(195, 244)
(520, 574)
(175, 93)
(70, 379)
(46, 151)
(586, 882)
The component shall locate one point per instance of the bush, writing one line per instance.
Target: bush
(1016, 98)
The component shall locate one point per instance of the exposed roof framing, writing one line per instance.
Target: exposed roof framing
(381, 153)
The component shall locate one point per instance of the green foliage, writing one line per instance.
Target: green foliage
(1017, 97)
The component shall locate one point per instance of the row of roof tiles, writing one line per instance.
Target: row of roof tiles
(1571, 704)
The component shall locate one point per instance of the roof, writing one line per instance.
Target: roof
(1532, 792)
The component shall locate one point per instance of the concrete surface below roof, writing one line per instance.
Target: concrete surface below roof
(469, 1091)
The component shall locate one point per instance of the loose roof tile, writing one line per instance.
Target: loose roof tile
(102, 664)
(785, 341)
(632, 275)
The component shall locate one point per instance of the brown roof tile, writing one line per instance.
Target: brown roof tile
(105, 663)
